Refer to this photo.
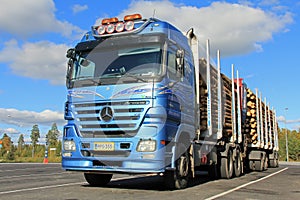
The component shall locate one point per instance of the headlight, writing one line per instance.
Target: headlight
(69, 145)
(146, 146)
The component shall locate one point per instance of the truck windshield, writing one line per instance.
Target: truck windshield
(117, 65)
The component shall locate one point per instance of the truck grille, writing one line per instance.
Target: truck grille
(110, 119)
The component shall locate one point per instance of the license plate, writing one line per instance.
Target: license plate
(104, 146)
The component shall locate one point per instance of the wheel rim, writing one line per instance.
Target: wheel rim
(183, 166)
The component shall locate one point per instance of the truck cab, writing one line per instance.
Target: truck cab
(131, 99)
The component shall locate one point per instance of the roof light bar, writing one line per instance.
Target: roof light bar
(110, 20)
(132, 17)
(120, 27)
(111, 26)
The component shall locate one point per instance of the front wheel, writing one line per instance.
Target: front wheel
(97, 179)
(179, 178)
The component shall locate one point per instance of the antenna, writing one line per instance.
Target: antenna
(154, 12)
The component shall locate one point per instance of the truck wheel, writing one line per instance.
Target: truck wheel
(258, 165)
(238, 164)
(251, 165)
(266, 161)
(97, 179)
(276, 162)
(272, 162)
(226, 168)
(178, 179)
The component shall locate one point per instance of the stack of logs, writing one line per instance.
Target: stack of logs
(227, 102)
(204, 96)
(251, 119)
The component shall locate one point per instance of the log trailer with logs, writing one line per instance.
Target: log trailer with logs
(143, 98)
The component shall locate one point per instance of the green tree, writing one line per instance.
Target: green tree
(6, 142)
(7, 150)
(293, 144)
(52, 136)
(21, 142)
(35, 135)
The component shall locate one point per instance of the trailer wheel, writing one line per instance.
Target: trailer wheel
(251, 165)
(97, 179)
(259, 164)
(266, 161)
(272, 163)
(226, 168)
(276, 162)
(179, 178)
(238, 164)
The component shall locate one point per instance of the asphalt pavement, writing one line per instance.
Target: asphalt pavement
(49, 181)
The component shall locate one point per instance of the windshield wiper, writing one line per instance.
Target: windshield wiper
(87, 78)
(135, 76)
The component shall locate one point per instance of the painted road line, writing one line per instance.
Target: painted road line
(245, 185)
(32, 175)
(29, 168)
(67, 184)
(39, 188)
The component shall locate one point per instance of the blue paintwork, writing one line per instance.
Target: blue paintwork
(167, 112)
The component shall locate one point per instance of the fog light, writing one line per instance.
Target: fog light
(67, 154)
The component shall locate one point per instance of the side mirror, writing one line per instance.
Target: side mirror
(71, 53)
(180, 61)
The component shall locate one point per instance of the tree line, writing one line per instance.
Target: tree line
(33, 152)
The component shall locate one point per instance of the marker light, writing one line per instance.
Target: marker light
(132, 17)
(120, 27)
(110, 20)
(101, 29)
(110, 28)
(129, 25)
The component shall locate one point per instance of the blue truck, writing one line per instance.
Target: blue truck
(144, 98)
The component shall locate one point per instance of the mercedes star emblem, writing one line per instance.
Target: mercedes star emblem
(106, 114)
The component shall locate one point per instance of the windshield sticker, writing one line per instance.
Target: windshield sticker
(79, 93)
(132, 91)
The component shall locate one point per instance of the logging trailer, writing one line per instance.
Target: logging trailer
(145, 98)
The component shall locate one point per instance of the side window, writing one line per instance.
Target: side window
(84, 68)
(188, 72)
(172, 72)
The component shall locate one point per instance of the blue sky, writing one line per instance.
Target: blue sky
(261, 38)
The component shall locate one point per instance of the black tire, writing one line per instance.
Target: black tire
(251, 165)
(226, 168)
(97, 179)
(276, 162)
(258, 165)
(179, 178)
(266, 161)
(238, 164)
(272, 163)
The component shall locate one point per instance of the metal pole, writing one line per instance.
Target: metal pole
(208, 80)
(286, 137)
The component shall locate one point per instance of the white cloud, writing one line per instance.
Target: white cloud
(79, 8)
(9, 131)
(26, 18)
(232, 28)
(40, 60)
(292, 121)
(24, 118)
